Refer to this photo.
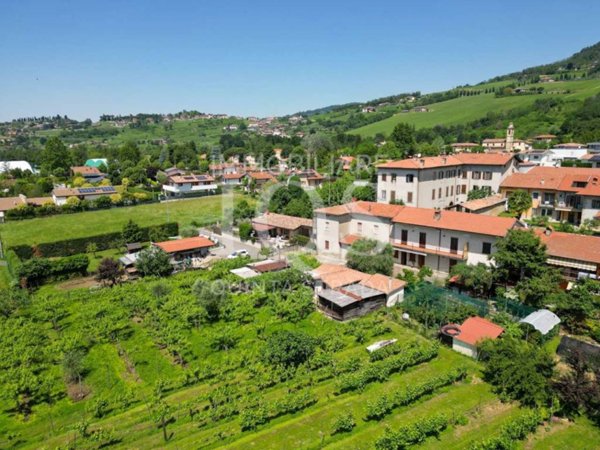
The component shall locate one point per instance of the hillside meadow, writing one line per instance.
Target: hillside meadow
(466, 109)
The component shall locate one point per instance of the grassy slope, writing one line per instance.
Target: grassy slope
(466, 109)
(49, 229)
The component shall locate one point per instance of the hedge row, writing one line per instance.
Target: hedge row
(381, 370)
(34, 271)
(412, 434)
(259, 414)
(383, 405)
(512, 432)
(76, 246)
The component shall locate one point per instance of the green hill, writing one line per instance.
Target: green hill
(466, 109)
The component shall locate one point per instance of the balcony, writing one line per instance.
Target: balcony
(569, 204)
(399, 245)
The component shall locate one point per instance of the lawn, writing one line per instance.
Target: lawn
(466, 109)
(203, 210)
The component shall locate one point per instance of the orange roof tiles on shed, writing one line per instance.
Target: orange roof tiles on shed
(383, 283)
(186, 244)
(476, 329)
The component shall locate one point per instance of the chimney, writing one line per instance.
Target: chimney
(421, 162)
(444, 159)
(437, 214)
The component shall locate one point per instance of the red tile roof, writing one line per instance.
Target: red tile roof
(481, 203)
(349, 239)
(233, 176)
(186, 244)
(383, 283)
(367, 208)
(557, 179)
(457, 221)
(282, 221)
(86, 170)
(476, 329)
(337, 276)
(429, 162)
(578, 247)
(261, 176)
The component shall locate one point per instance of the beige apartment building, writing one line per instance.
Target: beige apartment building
(442, 181)
(420, 236)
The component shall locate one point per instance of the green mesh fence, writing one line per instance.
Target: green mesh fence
(435, 306)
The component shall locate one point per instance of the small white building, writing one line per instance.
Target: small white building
(473, 331)
(189, 185)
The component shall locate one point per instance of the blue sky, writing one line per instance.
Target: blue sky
(264, 58)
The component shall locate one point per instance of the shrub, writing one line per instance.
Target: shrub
(289, 348)
(344, 423)
(412, 434)
(245, 229)
(35, 271)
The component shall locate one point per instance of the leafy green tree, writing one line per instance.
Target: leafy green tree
(242, 210)
(475, 194)
(403, 136)
(55, 157)
(129, 152)
(366, 255)
(365, 193)
(289, 348)
(537, 290)
(132, 232)
(153, 261)
(213, 297)
(336, 192)
(162, 416)
(299, 207)
(291, 200)
(519, 201)
(520, 254)
(478, 278)
(245, 229)
(579, 305)
(518, 370)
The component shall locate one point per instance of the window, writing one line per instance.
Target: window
(403, 236)
(486, 248)
(459, 173)
(595, 204)
(409, 178)
(393, 178)
(383, 177)
(476, 175)
(463, 189)
(383, 195)
(326, 245)
(535, 195)
(454, 245)
(448, 173)
(439, 192)
(409, 198)
(447, 190)
(433, 194)
(422, 239)
(487, 175)
(392, 196)
(441, 175)
(359, 227)
(451, 191)
(464, 174)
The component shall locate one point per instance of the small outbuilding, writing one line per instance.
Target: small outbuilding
(542, 320)
(472, 332)
(186, 248)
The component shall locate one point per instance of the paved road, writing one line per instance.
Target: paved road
(231, 243)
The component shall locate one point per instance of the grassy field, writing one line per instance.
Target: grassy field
(59, 227)
(465, 109)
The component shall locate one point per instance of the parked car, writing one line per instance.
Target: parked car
(238, 253)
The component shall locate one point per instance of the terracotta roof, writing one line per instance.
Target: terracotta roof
(480, 203)
(464, 144)
(336, 276)
(269, 266)
(282, 221)
(555, 178)
(7, 203)
(429, 162)
(571, 246)
(261, 176)
(366, 208)
(383, 283)
(39, 201)
(86, 170)
(233, 176)
(494, 140)
(349, 239)
(457, 221)
(476, 329)
(185, 244)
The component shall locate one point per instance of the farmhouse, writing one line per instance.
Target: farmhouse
(344, 293)
(472, 332)
(61, 195)
(442, 181)
(419, 236)
(274, 225)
